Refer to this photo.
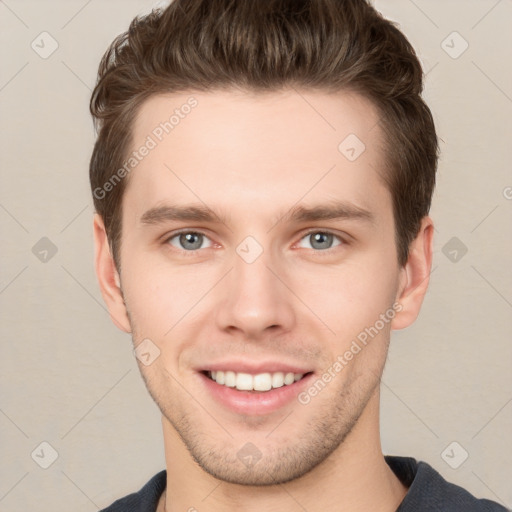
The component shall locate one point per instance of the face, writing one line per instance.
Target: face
(257, 253)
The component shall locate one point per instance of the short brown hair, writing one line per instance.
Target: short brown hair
(268, 45)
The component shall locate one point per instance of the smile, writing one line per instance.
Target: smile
(259, 382)
(254, 394)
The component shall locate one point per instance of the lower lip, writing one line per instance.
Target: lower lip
(254, 403)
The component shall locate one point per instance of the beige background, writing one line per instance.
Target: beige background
(68, 377)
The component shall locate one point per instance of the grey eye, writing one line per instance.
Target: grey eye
(189, 241)
(320, 240)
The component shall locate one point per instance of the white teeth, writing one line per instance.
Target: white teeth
(289, 378)
(243, 382)
(262, 382)
(259, 382)
(278, 380)
(230, 379)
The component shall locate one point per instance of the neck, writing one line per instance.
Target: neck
(354, 478)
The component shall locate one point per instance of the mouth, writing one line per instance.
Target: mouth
(254, 394)
(260, 382)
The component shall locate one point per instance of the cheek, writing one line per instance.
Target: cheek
(350, 296)
(356, 303)
(159, 296)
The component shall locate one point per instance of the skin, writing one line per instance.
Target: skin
(251, 159)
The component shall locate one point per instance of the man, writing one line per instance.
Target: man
(262, 179)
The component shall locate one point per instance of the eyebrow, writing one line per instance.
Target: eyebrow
(201, 213)
(165, 213)
(331, 211)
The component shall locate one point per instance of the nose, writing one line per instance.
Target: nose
(255, 299)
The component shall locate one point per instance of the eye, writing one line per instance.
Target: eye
(189, 241)
(320, 240)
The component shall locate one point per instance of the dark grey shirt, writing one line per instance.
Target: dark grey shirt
(428, 492)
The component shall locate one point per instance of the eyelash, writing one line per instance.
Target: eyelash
(342, 240)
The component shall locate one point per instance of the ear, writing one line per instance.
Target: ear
(415, 276)
(108, 277)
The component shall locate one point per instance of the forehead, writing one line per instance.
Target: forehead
(236, 149)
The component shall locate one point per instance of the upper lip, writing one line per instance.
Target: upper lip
(253, 367)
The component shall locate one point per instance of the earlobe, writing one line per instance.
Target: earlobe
(108, 277)
(415, 276)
